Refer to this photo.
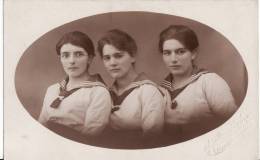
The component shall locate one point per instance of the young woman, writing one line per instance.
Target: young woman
(138, 105)
(79, 106)
(199, 100)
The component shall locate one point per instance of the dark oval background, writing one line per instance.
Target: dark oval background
(39, 66)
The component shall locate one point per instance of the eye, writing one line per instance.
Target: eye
(118, 55)
(64, 54)
(181, 51)
(106, 58)
(166, 52)
(79, 54)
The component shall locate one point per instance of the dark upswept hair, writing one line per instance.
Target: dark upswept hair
(77, 38)
(182, 33)
(119, 39)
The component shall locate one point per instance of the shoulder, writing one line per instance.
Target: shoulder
(100, 89)
(214, 84)
(97, 90)
(151, 89)
(51, 92)
(149, 85)
(53, 87)
(211, 76)
(212, 79)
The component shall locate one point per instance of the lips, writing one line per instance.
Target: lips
(114, 70)
(72, 68)
(175, 66)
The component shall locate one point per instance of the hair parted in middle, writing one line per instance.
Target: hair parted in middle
(181, 33)
(77, 38)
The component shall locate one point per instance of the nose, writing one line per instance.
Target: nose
(174, 58)
(112, 62)
(71, 59)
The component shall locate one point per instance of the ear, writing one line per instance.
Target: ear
(59, 57)
(133, 59)
(90, 59)
(194, 54)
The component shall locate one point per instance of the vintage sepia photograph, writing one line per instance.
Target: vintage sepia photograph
(132, 81)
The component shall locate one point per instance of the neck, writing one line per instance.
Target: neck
(74, 81)
(178, 79)
(123, 82)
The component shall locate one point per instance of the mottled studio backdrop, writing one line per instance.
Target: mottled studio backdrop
(40, 67)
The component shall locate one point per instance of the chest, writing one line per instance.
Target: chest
(129, 113)
(76, 103)
(189, 106)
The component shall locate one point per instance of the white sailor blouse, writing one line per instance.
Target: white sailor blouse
(139, 107)
(85, 108)
(137, 115)
(200, 104)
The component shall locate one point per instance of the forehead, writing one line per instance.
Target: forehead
(172, 44)
(110, 50)
(70, 47)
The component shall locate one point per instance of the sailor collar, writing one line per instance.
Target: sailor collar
(141, 79)
(94, 80)
(168, 82)
(117, 99)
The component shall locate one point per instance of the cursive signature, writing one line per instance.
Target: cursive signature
(223, 138)
(216, 145)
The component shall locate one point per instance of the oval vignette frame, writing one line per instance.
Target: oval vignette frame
(39, 66)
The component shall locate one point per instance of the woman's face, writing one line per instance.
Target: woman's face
(177, 58)
(74, 60)
(118, 63)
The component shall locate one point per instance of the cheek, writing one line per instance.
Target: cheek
(105, 64)
(166, 59)
(63, 63)
(187, 60)
(83, 63)
(127, 64)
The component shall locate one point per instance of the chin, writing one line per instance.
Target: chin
(74, 75)
(176, 73)
(115, 75)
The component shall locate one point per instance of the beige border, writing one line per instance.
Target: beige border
(26, 21)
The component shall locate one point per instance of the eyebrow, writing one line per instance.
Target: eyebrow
(79, 52)
(116, 53)
(64, 52)
(120, 52)
(174, 49)
(181, 48)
